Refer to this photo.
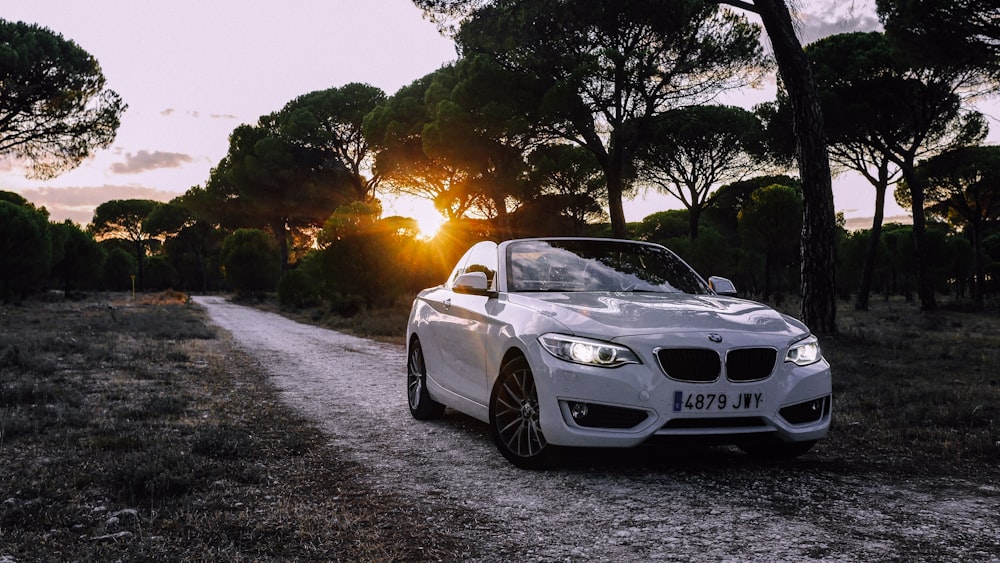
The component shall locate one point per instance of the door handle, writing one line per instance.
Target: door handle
(447, 304)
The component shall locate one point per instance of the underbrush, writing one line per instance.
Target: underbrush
(385, 323)
(130, 431)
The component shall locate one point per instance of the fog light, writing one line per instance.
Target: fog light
(806, 412)
(578, 410)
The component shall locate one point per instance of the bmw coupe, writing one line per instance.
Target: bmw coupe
(586, 342)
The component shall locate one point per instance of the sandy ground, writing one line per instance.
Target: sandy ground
(711, 504)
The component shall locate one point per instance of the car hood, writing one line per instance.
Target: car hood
(630, 314)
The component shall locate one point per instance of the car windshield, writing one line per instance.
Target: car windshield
(597, 265)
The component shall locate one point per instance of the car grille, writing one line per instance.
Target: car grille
(750, 364)
(690, 364)
(702, 365)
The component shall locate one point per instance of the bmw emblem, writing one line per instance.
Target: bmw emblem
(715, 337)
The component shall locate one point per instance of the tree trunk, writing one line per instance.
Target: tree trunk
(868, 271)
(925, 287)
(694, 217)
(616, 187)
(281, 237)
(818, 290)
(979, 285)
(140, 255)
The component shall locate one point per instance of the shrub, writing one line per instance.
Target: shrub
(25, 248)
(297, 289)
(119, 268)
(250, 261)
(160, 274)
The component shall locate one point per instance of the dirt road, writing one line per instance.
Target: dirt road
(636, 505)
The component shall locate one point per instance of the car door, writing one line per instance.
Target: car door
(464, 327)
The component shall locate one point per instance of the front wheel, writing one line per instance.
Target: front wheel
(422, 406)
(514, 418)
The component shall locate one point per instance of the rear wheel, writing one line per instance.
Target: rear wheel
(514, 418)
(422, 406)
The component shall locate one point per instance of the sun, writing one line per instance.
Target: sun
(428, 219)
(429, 224)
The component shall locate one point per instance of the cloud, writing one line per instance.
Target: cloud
(197, 114)
(145, 160)
(78, 204)
(829, 17)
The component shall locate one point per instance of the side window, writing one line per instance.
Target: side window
(483, 258)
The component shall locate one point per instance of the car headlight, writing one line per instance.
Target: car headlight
(804, 352)
(587, 352)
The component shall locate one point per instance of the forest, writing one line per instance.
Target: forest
(541, 127)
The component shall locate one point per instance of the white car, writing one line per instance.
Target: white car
(586, 342)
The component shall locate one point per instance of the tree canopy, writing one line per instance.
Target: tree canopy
(396, 128)
(957, 34)
(290, 170)
(695, 149)
(331, 121)
(459, 138)
(819, 224)
(883, 114)
(124, 219)
(54, 107)
(963, 186)
(893, 111)
(598, 72)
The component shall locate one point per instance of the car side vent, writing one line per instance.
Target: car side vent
(699, 365)
(750, 364)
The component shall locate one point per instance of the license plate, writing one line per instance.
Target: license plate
(718, 402)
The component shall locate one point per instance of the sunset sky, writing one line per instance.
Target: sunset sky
(193, 70)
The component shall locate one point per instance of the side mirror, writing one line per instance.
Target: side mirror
(474, 283)
(722, 286)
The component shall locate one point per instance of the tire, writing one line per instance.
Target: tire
(422, 406)
(777, 451)
(514, 418)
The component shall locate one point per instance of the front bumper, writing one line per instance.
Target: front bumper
(587, 406)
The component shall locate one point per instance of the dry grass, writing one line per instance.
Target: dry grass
(921, 390)
(131, 431)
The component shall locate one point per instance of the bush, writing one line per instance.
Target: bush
(250, 261)
(119, 268)
(160, 274)
(297, 289)
(25, 249)
(346, 307)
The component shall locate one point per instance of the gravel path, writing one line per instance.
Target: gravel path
(634, 505)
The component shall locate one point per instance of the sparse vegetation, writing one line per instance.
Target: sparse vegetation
(918, 388)
(129, 430)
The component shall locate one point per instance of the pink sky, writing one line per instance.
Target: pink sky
(192, 70)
